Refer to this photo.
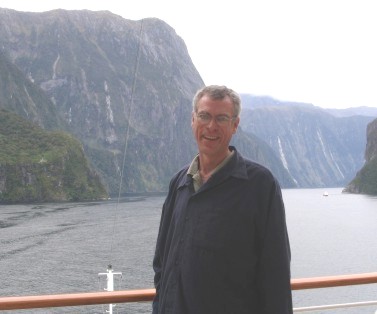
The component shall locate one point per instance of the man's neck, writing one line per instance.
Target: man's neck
(207, 163)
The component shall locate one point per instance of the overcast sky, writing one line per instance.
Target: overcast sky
(322, 52)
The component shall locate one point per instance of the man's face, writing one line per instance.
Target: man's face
(213, 126)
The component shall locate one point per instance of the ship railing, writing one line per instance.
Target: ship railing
(147, 295)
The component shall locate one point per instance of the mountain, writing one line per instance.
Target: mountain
(111, 94)
(42, 166)
(123, 88)
(316, 148)
(365, 181)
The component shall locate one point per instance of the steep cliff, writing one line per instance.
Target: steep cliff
(117, 83)
(365, 181)
(41, 166)
(371, 147)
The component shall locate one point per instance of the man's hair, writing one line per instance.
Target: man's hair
(218, 92)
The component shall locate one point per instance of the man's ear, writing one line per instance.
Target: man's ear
(236, 123)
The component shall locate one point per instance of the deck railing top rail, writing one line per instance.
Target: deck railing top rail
(333, 281)
(91, 298)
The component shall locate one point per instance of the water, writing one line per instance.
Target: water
(332, 235)
(61, 248)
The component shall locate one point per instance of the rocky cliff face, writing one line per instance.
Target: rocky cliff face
(365, 181)
(371, 147)
(119, 86)
(18, 94)
(116, 83)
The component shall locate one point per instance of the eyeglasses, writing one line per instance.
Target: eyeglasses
(206, 118)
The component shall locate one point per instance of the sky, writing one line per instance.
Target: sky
(322, 52)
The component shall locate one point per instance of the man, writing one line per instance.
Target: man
(223, 245)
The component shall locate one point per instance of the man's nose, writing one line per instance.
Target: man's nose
(212, 123)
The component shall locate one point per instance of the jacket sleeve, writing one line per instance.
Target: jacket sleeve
(157, 276)
(274, 265)
(157, 266)
(161, 243)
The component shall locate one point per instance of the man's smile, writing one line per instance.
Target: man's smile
(210, 138)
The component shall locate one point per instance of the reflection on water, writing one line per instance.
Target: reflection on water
(61, 248)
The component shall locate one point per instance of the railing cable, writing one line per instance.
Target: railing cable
(333, 306)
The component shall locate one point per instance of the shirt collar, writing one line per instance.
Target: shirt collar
(235, 167)
(193, 171)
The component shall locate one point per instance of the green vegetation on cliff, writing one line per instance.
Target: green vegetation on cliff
(41, 166)
(366, 180)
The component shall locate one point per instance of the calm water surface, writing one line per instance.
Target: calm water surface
(61, 248)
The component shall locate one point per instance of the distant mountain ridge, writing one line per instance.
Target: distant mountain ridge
(317, 148)
(252, 102)
(359, 111)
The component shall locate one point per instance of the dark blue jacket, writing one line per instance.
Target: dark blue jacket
(223, 249)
